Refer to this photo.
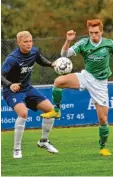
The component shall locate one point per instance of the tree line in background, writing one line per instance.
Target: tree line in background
(50, 18)
(53, 18)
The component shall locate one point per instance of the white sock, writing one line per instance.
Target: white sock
(18, 133)
(47, 125)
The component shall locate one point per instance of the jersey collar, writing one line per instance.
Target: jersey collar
(96, 44)
(24, 54)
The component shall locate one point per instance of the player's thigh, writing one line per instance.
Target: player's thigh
(67, 81)
(21, 110)
(16, 102)
(45, 106)
(102, 112)
(36, 100)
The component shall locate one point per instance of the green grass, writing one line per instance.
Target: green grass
(78, 154)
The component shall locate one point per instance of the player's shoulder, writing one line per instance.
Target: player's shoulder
(82, 41)
(35, 50)
(108, 40)
(12, 56)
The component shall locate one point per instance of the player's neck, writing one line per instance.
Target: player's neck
(24, 52)
(96, 44)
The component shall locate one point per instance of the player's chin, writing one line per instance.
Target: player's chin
(28, 50)
(95, 40)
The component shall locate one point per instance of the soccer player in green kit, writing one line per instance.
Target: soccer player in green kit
(96, 51)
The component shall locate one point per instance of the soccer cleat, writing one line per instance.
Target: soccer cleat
(52, 114)
(47, 145)
(105, 152)
(17, 154)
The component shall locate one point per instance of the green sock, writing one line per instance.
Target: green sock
(103, 133)
(57, 97)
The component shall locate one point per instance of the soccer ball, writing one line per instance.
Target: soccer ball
(63, 65)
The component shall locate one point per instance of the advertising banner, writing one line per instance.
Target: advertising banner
(76, 109)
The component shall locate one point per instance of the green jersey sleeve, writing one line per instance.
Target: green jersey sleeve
(77, 47)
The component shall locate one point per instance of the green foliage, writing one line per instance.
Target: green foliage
(53, 18)
(11, 22)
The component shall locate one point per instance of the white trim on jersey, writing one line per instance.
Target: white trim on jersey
(71, 51)
(111, 40)
(78, 43)
(96, 44)
(68, 53)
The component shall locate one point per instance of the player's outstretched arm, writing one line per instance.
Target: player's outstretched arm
(66, 51)
(43, 61)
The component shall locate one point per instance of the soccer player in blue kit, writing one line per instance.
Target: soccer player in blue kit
(20, 95)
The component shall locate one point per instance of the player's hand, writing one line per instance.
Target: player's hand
(15, 87)
(70, 35)
(53, 64)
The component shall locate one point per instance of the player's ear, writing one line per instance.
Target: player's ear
(17, 42)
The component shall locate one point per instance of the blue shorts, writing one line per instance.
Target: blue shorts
(29, 96)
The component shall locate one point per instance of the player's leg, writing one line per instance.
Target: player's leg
(102, 112)
(16, 102)
(36, 100)
(21, 111)
(99, 93)
(47, 125)
(66, 81)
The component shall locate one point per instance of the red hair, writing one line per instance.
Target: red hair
(95, 22)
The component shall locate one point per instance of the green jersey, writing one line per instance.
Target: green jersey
(96, 56)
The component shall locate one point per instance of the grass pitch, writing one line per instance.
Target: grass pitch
(78, 154)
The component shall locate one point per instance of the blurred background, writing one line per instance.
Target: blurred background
(48, 21)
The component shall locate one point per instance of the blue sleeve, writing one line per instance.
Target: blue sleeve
(42, 60)
(8, 64)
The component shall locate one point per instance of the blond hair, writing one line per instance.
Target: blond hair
(95, 22)
(22, 34)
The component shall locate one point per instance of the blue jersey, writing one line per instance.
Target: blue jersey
(18, 66)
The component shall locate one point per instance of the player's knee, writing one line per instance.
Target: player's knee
(103, 120)
(59, 81)
(23, 114)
